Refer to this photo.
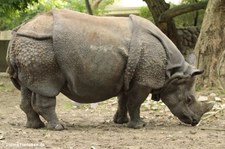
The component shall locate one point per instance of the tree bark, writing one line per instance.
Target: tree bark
(157, 8)
(88, 6)
(95, 3)
(181, 10)
(210, 47)
(163, 17)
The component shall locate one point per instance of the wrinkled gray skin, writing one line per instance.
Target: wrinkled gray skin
(90, 59)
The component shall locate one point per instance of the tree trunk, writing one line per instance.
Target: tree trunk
(163, 17)
(88, 7)
(157, 8)
(210, 47)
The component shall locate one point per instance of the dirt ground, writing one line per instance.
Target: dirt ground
(91, 127)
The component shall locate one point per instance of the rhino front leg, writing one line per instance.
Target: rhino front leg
(45, 106)
(120, 116)
(33, 119)
(136, 97)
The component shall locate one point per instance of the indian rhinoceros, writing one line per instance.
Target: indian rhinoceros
(90, 59)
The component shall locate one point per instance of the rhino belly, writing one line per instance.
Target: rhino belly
(92, 53)
(95, 78)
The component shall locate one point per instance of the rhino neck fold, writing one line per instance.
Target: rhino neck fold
(146, 64)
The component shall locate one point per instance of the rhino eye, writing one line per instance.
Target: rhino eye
(188, 100)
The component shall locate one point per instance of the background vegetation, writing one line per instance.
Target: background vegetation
(14, 12)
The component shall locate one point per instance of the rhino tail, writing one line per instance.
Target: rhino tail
(13, 74)
(134, 55)
(12, 69)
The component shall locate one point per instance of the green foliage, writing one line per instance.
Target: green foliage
(68, 105)
(190, 19)
(101, 8)
(77, 5)
(9, 11)
(192, 1)
(145, 13)
(11, 16)
(9, 5)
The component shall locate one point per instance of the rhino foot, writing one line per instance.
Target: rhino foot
(136, 124)
(35, 124)
(56, 127)
(120, 118)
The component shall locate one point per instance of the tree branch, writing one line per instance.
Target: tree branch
(157, 7)
(88, 6)
(173, 12)
(96, 3)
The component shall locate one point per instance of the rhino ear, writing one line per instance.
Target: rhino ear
(176, 79)
(192, 71)
(196, 72)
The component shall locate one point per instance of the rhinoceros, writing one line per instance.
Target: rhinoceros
(90, 59)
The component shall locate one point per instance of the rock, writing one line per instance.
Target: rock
(2, 137)
(194, 38)
(223, 106)
(77, 104)
(94, 105)
(155, 107)
(193, 132)
(202, 98)
(218, 99)
(179, 32)
(212, 96)
(185, 42)
(107, 121)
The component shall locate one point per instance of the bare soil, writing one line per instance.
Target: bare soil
(90, 126)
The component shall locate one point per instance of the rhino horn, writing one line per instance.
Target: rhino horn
(206, 107)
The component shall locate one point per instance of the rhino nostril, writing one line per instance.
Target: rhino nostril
(194, 122)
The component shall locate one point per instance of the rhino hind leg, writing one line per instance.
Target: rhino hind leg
(136, 96)
(33, 119)
(45, 106)
(120, 116)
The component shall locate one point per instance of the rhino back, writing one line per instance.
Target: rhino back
(40, 27)
(91, 52)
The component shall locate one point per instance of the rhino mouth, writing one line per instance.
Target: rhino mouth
(188, 120)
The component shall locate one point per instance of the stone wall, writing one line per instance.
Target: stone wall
(188, 38)
(5, 36)
(3, 49)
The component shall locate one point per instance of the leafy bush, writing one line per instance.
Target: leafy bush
(14, 12)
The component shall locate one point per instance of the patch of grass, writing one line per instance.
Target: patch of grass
(208, 91)
(5, 83)
(68, 105)
(71, 105)
(6, 87)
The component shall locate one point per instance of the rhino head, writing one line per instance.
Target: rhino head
(179, 96)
